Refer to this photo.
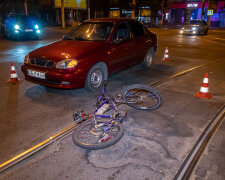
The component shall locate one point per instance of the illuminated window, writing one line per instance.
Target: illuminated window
(115, 13)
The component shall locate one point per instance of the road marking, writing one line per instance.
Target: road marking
(218, 30)
(212, 37)
(11, 162)
(214, 42)
(220, 39)
(187, 167)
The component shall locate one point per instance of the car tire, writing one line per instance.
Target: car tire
(148, 59)
(206, 31)
(95, 77)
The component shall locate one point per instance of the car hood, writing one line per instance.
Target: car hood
(65, 49)
(189, 26)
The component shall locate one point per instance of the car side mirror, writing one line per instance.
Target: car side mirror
(65, 36)
(118, 39)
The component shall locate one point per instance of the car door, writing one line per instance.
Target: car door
(205, 26)
(142, 39)
(123, 48)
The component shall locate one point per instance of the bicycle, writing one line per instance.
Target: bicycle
(98, 130)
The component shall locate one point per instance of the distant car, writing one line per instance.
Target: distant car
(20, 26)
(195, 27)
(90, 52)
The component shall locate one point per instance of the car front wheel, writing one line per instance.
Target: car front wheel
(148, 58)
(95, 78)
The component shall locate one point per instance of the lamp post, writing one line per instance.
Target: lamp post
(133, 9)
(62, 14)
(163, 1)
(203, 7)
(208, 16)
(89, 10)
(25, 6)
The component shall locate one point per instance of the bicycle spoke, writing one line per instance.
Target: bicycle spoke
(141, 97)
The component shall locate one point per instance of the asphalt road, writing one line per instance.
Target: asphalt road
(155, 143)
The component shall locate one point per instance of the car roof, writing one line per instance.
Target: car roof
(196, 20)
(108, 20)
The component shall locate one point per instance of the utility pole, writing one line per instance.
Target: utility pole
(133, 9)
(25, 6)
(208, 16)
(203, 9)
(163, 1)
(62, 14)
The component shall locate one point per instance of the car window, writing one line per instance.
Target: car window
(92, 31)
(122, 32)
(21, 20)
(195, 22)
(204, 23)
(137, 28)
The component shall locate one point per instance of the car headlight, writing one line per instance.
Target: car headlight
(16, 26)
(36, 26)
(182, 28)
(26, 59)
(193, 28)
(66, 64)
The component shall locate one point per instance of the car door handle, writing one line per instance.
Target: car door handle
(149, 40)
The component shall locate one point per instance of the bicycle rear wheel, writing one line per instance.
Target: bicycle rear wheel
(141, 97)
(88, 137)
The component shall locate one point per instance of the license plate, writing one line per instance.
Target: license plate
(28, 30)
(36, 74)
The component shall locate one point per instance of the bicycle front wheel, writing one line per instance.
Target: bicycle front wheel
(141, 97)
(87, 136)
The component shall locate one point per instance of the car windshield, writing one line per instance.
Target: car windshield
(195, 22)
(91, 31)
(23, 19)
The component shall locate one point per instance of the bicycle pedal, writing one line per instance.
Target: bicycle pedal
(78, 117)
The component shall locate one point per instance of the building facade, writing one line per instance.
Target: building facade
(179, 13)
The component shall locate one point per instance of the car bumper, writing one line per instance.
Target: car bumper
(23, 33)
(56, 79)
(188, 31)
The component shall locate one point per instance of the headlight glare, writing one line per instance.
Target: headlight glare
(36, 26)
(66, 64)
(193, 28)
(16, 26)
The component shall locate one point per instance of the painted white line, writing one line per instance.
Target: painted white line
(216, 38)
(214, 42)
(217, 31)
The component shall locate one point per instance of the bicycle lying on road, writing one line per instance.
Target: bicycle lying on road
(103, 128)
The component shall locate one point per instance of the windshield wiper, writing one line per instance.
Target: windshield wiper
(67, 37)
(79, 38)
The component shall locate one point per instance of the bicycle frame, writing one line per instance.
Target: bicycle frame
(110, 101)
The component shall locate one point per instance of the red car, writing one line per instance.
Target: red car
(90, 52)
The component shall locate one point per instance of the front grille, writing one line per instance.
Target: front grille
(42, 62)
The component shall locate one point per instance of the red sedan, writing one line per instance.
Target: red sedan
(91, 51)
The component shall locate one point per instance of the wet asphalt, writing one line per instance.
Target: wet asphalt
(155, 143)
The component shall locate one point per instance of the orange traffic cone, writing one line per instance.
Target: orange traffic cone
(13, 76)
(166, 55)
(204, 90)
